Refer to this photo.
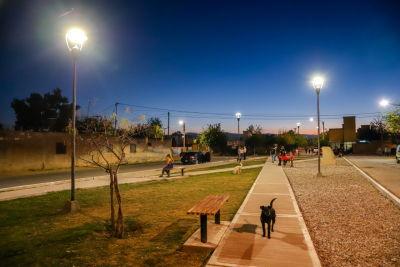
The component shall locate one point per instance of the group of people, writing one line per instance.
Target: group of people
(309, 150)
(282, 156)
(242, 152)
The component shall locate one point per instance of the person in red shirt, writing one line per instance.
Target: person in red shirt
(280, 159)
(291, 158)
(285, 159)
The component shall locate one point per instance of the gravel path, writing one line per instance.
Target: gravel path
(350, 222)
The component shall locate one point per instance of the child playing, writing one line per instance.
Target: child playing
(280, 159)
(285, 159)
(291, 158)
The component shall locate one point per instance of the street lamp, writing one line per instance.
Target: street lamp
(384, 103)
(184, 135)
(238, 115)
(74, 39)
(318, 83)
(298, 134)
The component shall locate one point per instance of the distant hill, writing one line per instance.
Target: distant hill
(235, 135)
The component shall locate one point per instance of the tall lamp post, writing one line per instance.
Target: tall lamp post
(74, 39)
(318, 82)
(298, 134)
(238, 115)
(184, 135)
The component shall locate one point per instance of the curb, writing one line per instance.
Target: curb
(395, 200)
(310, 245)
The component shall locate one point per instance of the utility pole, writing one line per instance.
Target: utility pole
(116, 117)
(323, 130)
(168, 123)
(88, 109)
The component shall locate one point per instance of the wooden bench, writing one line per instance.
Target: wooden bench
(208, 206)
(180, 168)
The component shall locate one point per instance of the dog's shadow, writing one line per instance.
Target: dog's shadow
(246, 228)
(293, 239)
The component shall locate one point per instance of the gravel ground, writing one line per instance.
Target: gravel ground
(350, 222)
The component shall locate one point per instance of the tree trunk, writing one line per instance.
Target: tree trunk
(119, 230)
(112, 202)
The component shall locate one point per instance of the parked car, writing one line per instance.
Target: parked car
(315, 150)
(193, 157)
(398, 154)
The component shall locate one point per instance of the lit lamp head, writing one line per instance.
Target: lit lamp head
(384, 103)
(75, 39)
(298, 124)
(238, 115)
(311, 119)
(318, 83)
(181, 122)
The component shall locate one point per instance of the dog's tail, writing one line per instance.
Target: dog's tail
(272, 202)
(241, 165)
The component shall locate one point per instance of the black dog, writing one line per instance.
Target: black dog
(268, 215)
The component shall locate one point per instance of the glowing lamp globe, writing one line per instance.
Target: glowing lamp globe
(318, 83)
(384, 103)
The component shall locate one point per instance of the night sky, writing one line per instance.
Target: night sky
(206, 60)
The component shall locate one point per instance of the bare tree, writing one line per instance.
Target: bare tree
(100, 141)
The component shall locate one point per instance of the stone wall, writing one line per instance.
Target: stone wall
(44, 150)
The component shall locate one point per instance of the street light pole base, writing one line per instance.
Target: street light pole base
(319, 174)
(71, 206)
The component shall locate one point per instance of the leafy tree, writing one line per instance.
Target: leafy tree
(214, 137)
(37, 113)
(255, 141)
(302, 141)
(368, 134)
(379, 126)
(154, 126)
(392, 120)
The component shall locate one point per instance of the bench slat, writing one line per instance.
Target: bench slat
(209, 206)
(198, 205)
(217, 206)
(203, 206)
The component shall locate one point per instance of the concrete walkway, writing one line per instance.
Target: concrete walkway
(290, 244)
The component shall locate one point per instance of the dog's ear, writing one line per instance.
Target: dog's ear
(262, 207)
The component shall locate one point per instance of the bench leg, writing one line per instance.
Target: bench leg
(182, 172)
(217, 218)
(203, 228)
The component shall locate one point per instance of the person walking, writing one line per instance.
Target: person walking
(239, 159)
(283, 152)
(244, 152)
(386, 151)
(280, 159)
(273, 151)
(291, 158)
(170, 165)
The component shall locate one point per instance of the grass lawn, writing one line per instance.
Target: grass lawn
(35, 232)
(230, 165)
